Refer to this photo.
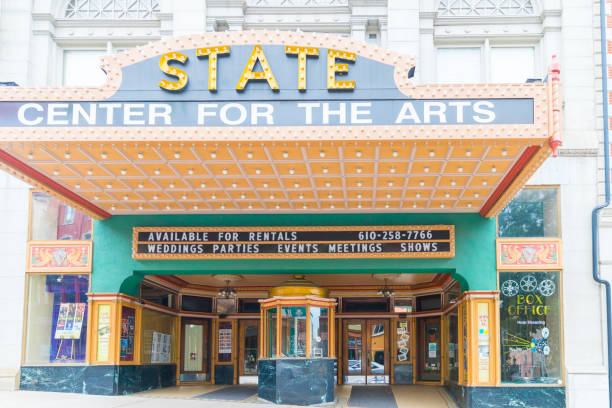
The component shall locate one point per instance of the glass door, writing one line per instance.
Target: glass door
(366, 351)
(378, 352)
(430, 349)
(353, 358)
(194, 350)
(249, 341)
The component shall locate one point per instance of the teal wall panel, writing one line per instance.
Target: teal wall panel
(115, 271)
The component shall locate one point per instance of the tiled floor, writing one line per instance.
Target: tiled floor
(406, 396)
(421, 396)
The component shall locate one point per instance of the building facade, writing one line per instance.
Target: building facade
(505, 309)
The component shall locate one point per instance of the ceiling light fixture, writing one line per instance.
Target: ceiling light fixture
(227, 292)
(385, 291)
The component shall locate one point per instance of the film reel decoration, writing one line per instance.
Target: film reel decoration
(510, 288)
(529, 284)
(547, 287)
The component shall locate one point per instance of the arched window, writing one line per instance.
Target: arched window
(111, 9)
(484, 8)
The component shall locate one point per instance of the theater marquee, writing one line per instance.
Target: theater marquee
(277, 122)
(414, 241)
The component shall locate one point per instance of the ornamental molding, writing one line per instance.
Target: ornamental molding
(578, 152)
(59, 256)
(486, 8)
(529, 254)
(296, 11)
(111, 9)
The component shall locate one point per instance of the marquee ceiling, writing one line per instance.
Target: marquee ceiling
(140, 178)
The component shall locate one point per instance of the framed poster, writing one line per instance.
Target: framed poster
(161, 347)
(224, 342)
(104, 319)
(128, 329)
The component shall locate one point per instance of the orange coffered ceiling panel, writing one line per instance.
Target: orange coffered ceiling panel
(171, 179)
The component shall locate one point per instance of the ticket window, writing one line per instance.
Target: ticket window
(299, 329)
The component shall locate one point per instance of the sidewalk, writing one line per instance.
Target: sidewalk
(404, 396)
(38, 399)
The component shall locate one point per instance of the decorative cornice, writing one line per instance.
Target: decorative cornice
(578, 152)
(296, 10)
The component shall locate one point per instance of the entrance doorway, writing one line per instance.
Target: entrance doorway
(195, 362)
(429, 359)
(249, 349)
(366, 351)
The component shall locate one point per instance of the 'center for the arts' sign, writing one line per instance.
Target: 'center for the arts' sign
(414, 241)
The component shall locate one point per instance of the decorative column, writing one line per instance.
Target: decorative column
(480, 313)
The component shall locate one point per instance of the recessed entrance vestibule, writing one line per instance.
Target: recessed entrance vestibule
(388, 329)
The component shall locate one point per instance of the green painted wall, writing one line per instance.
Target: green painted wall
(115, 271)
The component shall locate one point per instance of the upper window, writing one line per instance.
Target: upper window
(494, 64)
(459, 65)
(51, 220)
(157, 295)
(484, 8)
(68, 215)
(82, 68)
(512, 64)
(112, 9)
(534, 212)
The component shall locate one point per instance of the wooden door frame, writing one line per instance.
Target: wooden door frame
(205, 344)
(421, 347)
(366, 339)
(242, 323)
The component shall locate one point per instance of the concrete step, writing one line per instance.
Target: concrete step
(9, 380)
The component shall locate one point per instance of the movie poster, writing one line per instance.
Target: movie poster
(70, 321)
(128, 328)
(161, 347)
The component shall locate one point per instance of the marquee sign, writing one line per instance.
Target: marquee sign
(277, 121)
(413, 241)
(263, 83)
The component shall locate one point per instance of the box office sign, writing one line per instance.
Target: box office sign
(413, 241)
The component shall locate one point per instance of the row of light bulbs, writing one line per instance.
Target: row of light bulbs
(277, 206)
(213, 155)
(224, 171)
